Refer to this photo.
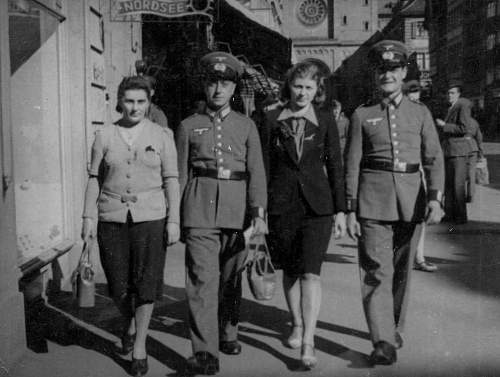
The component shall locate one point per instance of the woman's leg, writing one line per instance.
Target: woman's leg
(310, 302)
(291, 286)
(142, 318)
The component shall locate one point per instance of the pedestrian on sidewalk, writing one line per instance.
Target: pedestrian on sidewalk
(389, 140)
(300, 144)
(413, 90)
(457, 134)
(342, 124)
(132, 178)
(221, 172)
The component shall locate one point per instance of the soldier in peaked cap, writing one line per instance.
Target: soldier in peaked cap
(388, 142)
(222, 178)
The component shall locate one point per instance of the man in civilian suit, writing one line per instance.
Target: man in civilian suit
(457, 139)
(389, 141)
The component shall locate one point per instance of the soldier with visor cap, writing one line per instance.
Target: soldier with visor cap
(222, 178)
(389, 141)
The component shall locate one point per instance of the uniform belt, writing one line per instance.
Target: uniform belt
(400, 167)
(128, 197)
(220, 174)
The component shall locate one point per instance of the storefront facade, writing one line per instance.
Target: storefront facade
(61, 62)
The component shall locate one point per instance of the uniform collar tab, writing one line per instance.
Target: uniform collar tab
(220, 114)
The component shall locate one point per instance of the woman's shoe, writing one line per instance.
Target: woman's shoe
(307, 356)
(425, 266)
(139, 367)
(295, 339)
(128, 341)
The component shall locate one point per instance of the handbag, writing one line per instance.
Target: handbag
(482, 174)
(83, 281)
(261, 274)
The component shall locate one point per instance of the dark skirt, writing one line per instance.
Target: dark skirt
(133, 258)
(298, 239)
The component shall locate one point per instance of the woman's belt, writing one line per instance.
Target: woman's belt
(131, 197)
(395, 166)
(220, 174)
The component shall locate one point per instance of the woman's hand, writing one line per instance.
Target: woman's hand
(339, 225)
(88, 229)
(353, 227)
(259, 226)
(173, 233)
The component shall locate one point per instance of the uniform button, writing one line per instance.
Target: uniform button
(219, 144)
(219, 152)
(219, 136)
(219, 128)
(221, 168)
(394, 134)
(396, 151)
(218, 120)
(211, 202)
(393, 116)
(395, 142)
(221, 160)
(391, 107)
(393, 125)
(396, 160)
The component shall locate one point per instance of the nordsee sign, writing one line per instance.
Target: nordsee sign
(126, 10)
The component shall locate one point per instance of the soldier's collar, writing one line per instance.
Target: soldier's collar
(307, 113)
(219, 114)
(395, 100)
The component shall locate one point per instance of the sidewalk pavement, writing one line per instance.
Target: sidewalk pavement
(453, 328)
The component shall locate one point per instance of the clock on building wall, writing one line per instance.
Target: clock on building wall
(311, 12)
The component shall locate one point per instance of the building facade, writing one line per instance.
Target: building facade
(61, 62)
(464, 48)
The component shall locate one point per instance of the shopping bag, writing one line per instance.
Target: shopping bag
(83, 281)
(482, 174)
(261, 274)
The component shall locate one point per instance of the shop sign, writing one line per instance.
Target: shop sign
(129, 10)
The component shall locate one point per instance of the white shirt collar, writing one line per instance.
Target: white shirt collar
(307, 113)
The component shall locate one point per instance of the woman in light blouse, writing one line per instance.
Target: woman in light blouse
(306, 196)
(132, 177)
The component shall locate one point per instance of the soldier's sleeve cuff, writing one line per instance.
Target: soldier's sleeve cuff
(435, 195)
(352, 205)
(258, 212)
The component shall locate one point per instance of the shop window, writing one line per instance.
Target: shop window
(422, 61)
(35, 109)
(491, 9)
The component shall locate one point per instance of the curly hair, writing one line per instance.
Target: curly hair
(305, 69)
(132, 83)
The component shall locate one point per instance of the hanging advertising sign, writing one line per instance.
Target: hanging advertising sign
(131, 10)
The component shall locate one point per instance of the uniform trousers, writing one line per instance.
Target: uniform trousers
(386, 254)
(214, 264)
(471, 176)
(455, 207)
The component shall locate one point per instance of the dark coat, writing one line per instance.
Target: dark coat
(318, 175)
(459, 130)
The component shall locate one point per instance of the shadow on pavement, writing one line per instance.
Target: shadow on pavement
(276, 320)
(476, 243)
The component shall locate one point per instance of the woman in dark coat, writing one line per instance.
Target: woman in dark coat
(306, 196)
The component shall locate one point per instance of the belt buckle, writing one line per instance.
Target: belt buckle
(129, 198)
(400, 166)
(224, 173)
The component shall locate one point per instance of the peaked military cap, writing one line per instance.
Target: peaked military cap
(388, 53)
(221, 65)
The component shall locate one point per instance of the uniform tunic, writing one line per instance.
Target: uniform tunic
(227, 144)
